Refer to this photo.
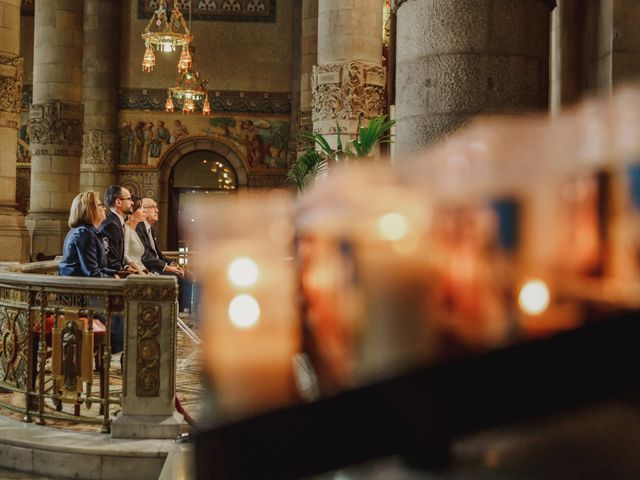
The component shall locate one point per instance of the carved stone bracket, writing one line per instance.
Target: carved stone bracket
(55, 128)
(10, 90)
(99, 148)
(347, 91)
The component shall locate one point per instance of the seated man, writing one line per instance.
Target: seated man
(153, 258)
(111, 232)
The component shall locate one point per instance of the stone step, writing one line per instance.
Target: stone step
(58, 453)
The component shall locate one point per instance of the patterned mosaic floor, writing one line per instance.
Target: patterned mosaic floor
(189, 391)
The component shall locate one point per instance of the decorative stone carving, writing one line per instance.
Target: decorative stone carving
(10, 90)
(99, 147)
(55, 128)
(347, 91)
(148, 350)
(141, 184)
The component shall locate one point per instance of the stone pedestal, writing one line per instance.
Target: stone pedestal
(100, 94)
(348, 82)
(459, 58)
(149, 376)
(14, 237)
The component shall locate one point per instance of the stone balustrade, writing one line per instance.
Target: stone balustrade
(31, 303)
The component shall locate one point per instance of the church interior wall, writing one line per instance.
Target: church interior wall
(232, 55)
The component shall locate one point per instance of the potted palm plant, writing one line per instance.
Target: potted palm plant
(315, 161)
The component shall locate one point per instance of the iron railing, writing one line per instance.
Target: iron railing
(47, 371)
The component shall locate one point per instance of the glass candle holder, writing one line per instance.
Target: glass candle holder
(250, 326)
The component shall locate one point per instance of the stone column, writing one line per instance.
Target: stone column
(14, 237)
(348, 81)
(55, 123)
(308, 58)
(625, 61)
(459, 58)
(149, 376)
(100, 94)
(296, 54)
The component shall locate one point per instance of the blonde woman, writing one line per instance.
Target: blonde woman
(83, 252)
(133, 246)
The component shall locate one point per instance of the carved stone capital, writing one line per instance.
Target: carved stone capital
(99, 148)
(10, 90)
(347, 91)
(55, 128)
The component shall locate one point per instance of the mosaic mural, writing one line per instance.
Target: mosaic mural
(219, 10)
(263, 142)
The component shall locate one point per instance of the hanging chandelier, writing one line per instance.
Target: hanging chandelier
(189, 89)
(165, 33)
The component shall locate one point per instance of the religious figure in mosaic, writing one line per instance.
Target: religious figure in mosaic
(127, 142)
(147, 147)
(255, 145)
(138, 150)
(179, 132)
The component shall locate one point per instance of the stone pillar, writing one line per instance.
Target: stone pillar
(14, 237)
(55, 123)
(625, 61)
(100, 94)
(149, 376)
(348, 82)
(459, 58)
(296, 54)
(308, 58)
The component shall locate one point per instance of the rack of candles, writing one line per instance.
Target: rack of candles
(511, 228)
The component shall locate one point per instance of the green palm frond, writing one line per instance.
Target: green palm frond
(377, 131)
(306, 168)
(314, 162)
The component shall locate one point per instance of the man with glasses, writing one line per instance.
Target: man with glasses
(153, 258)
(119, 203)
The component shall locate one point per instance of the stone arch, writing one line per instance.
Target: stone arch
(220, 145)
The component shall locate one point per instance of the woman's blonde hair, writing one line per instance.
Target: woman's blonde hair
(84, 209)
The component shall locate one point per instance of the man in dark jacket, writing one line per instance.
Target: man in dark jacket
(118, 201)
(153, 258)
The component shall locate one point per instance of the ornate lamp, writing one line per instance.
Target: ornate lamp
(165, 34)
(190, 89)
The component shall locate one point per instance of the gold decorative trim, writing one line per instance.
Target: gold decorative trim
(162, 294)
(148, 350)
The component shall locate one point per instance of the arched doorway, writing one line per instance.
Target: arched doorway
(196, 175)
(193, 167)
